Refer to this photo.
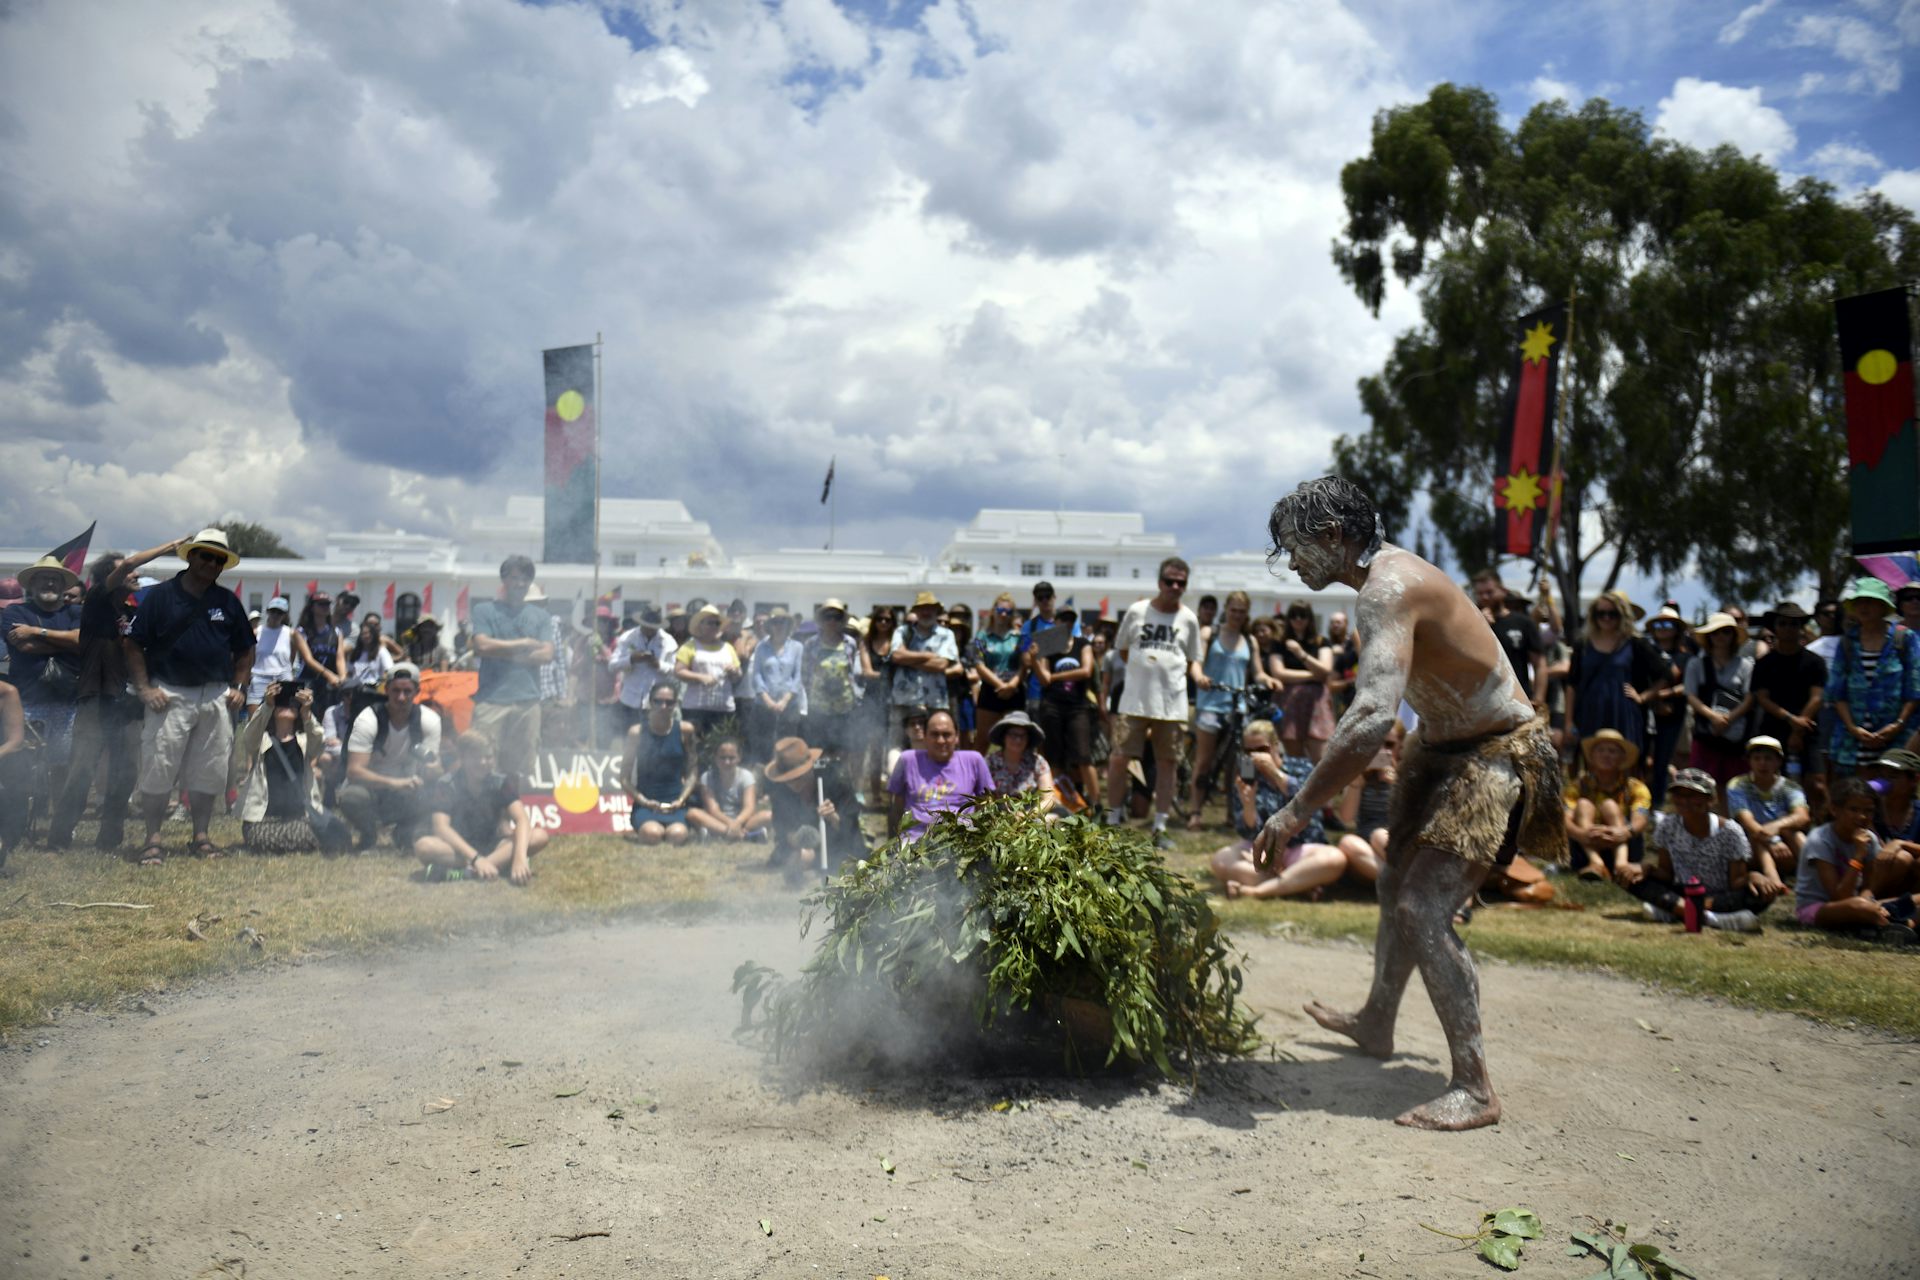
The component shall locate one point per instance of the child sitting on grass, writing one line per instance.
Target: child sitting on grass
(1846, 879)
(1308, 865)
(730, 807)
(479, 827)
(1695, 843)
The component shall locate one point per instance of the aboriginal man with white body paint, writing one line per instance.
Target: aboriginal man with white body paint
(1479, 781)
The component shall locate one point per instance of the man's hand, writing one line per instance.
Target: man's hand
(827, 811)
(154, 698)
(1275, 836)
(21, 635)
(235, 699)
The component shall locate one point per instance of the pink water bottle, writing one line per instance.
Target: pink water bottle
(1691, 912)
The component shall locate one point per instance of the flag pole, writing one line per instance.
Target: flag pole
(1556, 483)
(593, 620)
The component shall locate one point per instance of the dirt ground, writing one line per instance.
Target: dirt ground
(279, 1125)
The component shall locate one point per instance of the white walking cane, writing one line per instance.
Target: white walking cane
(820, 800)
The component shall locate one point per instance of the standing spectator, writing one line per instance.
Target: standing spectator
(709, 668)
(1303, 666)
(1207, 612)
(940, 779)
(555, 675)
(368, 662)
(1695, 844)
(1611, 675)
(480, 827)
(1668, 697)
(922, 656)
(1015, 762)
(960, 679)
(1159, 644)
(1346, 660)
(323, 658)
(1608, 809)
(13, 771)
(1042, 617)
(661, 766)
(642, 656)
(994, 657)
(1772, 810)
(104, 725)
(190, 656)
(778, 691)
(1906, 602)
(876, 701)
(1789, 684)
(1873, 681)
(43, 644)
(1233, 664)
(272, 768)
(393, 757)
(833, 665)
(275, 660)
(1067, 712)
(1719, 689)
(1846, 881)
(1510, 615)
(425, 648)
(513, 640)
(730, 807)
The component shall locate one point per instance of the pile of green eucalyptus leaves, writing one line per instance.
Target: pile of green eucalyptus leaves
(998, 929)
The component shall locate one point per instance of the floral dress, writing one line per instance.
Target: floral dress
(1873, 687)
(1032, 774)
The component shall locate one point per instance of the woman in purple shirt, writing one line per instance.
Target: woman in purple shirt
(939, 779)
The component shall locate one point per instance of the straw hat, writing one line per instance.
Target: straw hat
(43, 566)
(924, 600)
(1720, 622)
(1632, 610)
(1588, 743)
(210, 540)
(791, 758)
(832, 604)
(1017, 720)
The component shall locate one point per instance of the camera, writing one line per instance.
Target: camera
(283, 696)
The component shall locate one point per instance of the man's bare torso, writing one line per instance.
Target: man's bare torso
(1459, 680)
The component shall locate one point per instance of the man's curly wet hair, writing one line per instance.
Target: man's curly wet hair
(1319, 506)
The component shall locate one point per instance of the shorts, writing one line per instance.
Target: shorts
(188, 744)
(1001, 704)
(1068, 727)
(669, 818)
(1806, 911)
(1210, 721)
(1133, 732)
(514, 730)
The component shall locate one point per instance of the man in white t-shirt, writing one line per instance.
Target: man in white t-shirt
(1159, 642)
(393, 753)
(640, 658)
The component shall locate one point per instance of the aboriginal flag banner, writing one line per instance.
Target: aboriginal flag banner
(1883, 450)
(1525, 457)
(572, 429)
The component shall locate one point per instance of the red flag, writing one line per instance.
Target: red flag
(240, 589)
(350, 586)
(1876, 354)
(460, 605)
(426, 601)
(1103, 605)
(386, 602)
(1525, 453)
(313, 587)
(73, 552)
(276, 588)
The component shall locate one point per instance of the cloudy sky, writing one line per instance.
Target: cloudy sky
(294, 260)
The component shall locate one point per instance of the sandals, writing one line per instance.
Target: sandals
(204, 847)
(153, 854)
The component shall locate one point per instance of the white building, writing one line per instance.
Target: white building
(654, 550)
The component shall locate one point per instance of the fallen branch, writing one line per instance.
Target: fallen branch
(124, 906)
(584, 1235)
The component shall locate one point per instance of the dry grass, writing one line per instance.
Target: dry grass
(55, 956)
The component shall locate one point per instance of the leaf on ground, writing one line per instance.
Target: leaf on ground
(435, 1107)
(886, 1166)
(1139, 1164)
(511, 1143)
(1502, 1251)
(1516, 1222)
(1624, 1156)
(880, 1218)
(766, 1227)
(616, 1114)
(571, 1093)
(1002, 1105)
(511, 1062)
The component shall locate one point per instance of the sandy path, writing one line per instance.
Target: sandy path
(276, 1120)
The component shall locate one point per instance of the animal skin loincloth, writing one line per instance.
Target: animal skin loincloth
(1482, 799)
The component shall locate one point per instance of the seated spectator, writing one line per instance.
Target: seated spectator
(393, 756)
(1893, 777)
(660, 768)
(1364, 810)
(13, 771)
(778, 695)
(1608, 809)
(1014, 760)
(1772, 810)
(708, 667)
(1309, 864)
(273, 768)
(479, 828)
(938, 779)
(1693, 843)
(808, 796)
(730, 807)
(1847, 880)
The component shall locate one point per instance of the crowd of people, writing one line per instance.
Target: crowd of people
(1713, 768)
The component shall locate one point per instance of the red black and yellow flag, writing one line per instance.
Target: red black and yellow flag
(1521, 487)
(572, 455)
(1883, 451)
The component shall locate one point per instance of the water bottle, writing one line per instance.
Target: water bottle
(1694, 893)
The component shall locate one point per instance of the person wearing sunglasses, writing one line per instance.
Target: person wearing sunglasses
(1159, 643)
(1612, 674)
(994, 656)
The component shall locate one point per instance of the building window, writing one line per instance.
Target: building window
(625, 559)
(1096, 571)
(1065, 568)
(1136, 571)
(1031, 569)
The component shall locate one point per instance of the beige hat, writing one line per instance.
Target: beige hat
(1720, 622)
(536, 594)
(831, 602)
(46, 565)
(1592, 740)
(1633, 610)
(926, 599)
(1766, 742)
(210, 540)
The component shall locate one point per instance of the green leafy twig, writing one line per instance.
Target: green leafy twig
(1502, 1234)
(1639, 1260)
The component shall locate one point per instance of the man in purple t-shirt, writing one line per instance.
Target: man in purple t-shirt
(941, 778)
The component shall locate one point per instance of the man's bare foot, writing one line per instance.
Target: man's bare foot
(1371, 1042)
(1453, 1110)
(1234, 888)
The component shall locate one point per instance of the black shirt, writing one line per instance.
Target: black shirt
(796, 811)
(191, 640)
(104, 621)
(286, 766)
(1519, 635)
(477, 817)
(1789, 679)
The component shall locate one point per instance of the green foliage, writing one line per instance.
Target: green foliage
(1638, 1261)
(256, 540)
(1502, 1235)
(1706, 423)
(1000, 921)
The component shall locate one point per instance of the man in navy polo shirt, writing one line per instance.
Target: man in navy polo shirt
(189, 657)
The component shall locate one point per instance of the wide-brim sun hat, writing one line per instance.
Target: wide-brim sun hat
(924, 600)
(1721, 622)
(1868, 589)
(210, 540)
(41, 568)
(1614, 736)
(791, 758)
(1016, 720)
(1787, 611)
(1632, 610)
(832, 604)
